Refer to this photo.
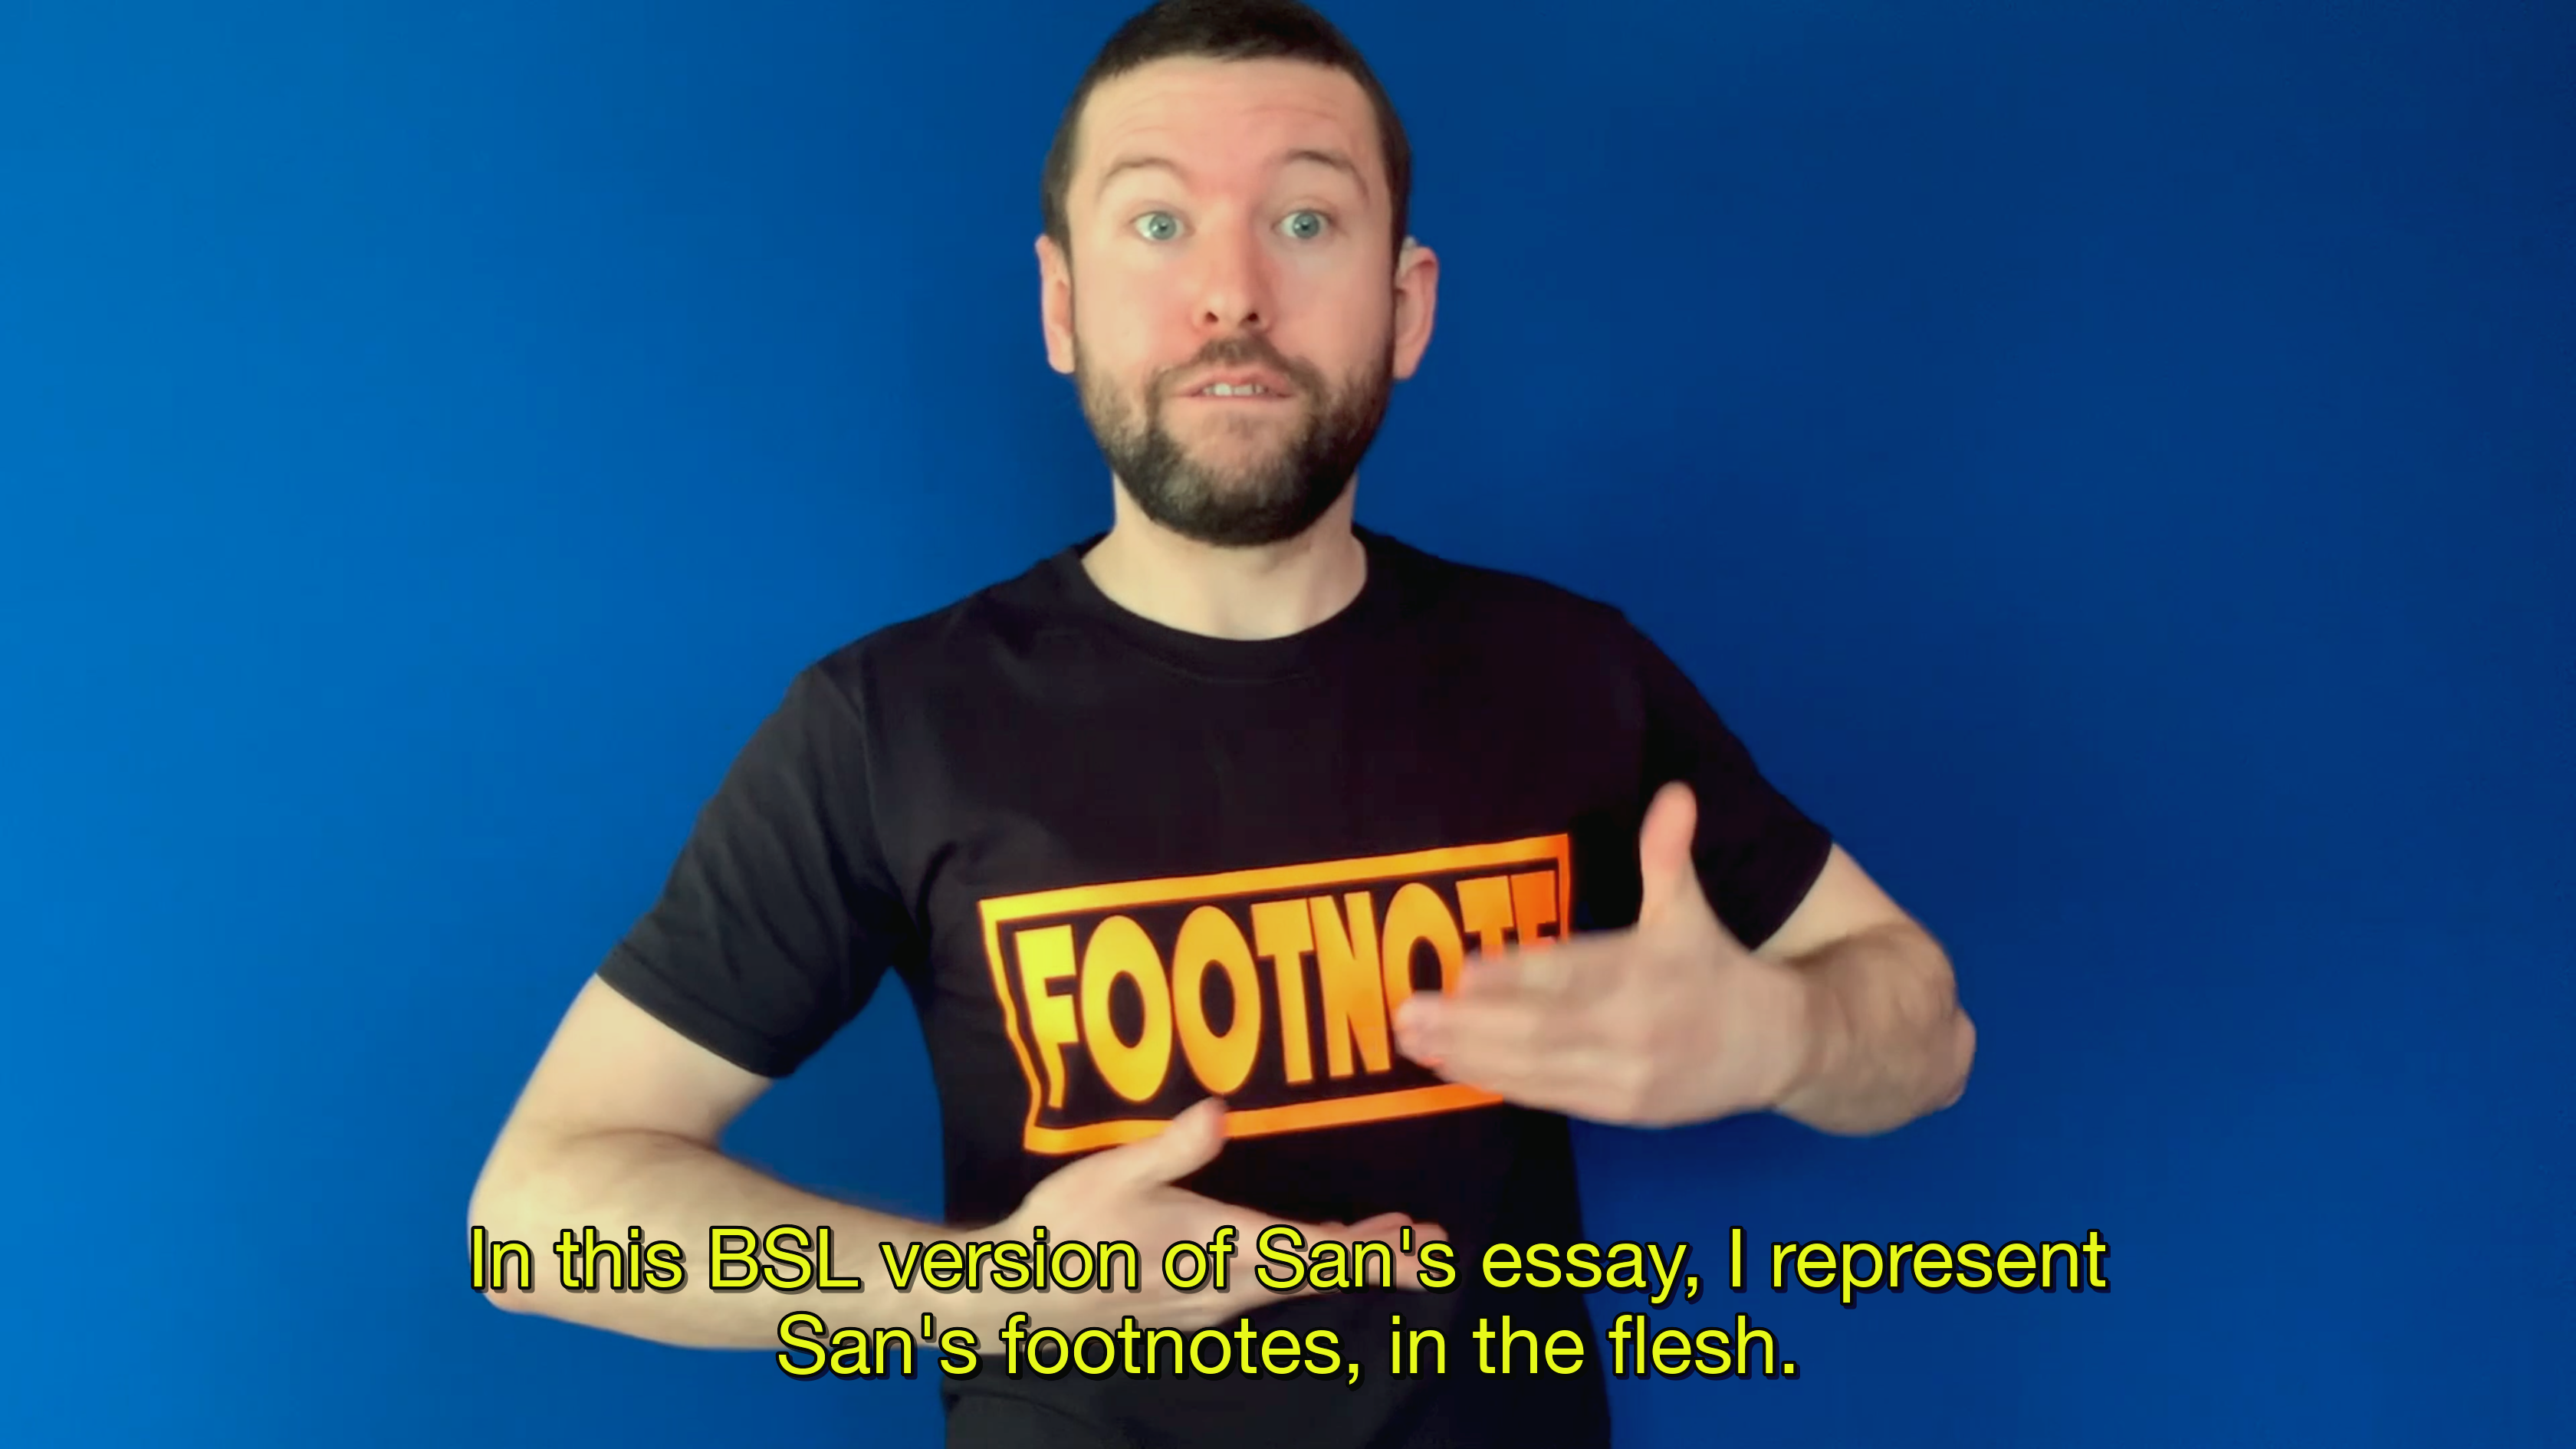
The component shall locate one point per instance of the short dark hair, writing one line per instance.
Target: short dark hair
(1225, 30)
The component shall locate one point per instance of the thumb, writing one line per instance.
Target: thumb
(1187, 1143)
(1664, 854)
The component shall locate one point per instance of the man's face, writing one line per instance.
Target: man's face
(1232, 310)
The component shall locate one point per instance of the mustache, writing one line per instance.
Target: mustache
(1246, 350)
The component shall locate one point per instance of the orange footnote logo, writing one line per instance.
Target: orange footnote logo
(1272, 988)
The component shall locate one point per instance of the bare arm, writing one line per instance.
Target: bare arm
(1845, 1019)
(1888, 1041)
(619, 1127)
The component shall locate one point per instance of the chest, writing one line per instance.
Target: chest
(1133, 902)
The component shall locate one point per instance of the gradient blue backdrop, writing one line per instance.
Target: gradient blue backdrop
(2113, 463)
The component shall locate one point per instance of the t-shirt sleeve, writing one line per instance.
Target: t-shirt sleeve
(779, 919)
(1757, 853)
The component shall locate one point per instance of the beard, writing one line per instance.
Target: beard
(1269, 500)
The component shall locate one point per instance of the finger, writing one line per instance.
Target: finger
(1423, 1023)
(1664, 852)
(1381, 1225)
(1550, 979)
(1484, 1035)
(1397, 1232)
(1387, 1222)
(1499, 974)
(1583, 1082)
(1555, 1070)
(1408, 1261)
(1545, 970)
(1406, 1233)
(1256, 1251)
(1251, 1226)
(1385, 1226)
(1187, 1143)
(1542, 973)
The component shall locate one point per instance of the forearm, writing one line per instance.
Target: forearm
(676, 1191)
(1887, 1039)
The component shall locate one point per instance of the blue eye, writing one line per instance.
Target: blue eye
(1304, 225)
(1158, 226)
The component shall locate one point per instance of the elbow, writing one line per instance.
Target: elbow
(497, 1218)
(1961, 1060)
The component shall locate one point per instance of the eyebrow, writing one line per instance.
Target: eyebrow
(1333, 159)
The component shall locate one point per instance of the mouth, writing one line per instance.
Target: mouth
(1251, 385)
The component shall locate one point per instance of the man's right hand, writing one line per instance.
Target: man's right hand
(1126, 1194)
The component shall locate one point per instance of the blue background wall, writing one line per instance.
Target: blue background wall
(2113, 463)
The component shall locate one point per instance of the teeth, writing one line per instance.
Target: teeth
(1249, 389)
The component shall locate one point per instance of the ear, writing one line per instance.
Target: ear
(1055, 303)
(1417, 295)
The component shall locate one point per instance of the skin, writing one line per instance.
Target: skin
(1187, 239)
(622, 1120)
(1227, 151)
(1846, 1019)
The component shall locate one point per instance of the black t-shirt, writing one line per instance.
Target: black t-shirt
(1120, 866)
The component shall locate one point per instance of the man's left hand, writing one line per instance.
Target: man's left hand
(1668, 1021)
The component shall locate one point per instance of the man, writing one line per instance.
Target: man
(1404, 860)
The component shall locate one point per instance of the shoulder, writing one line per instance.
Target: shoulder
(1489, 594)
(1557, 643)
(912, 653)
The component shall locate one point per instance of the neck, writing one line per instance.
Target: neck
(1264, 592)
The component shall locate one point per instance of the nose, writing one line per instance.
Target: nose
(1234, 284)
